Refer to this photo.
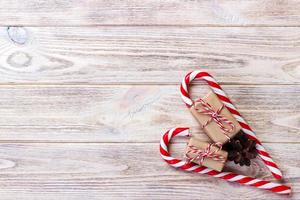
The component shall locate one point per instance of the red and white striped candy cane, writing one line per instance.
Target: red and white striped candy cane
(216, 88)
(228, 176)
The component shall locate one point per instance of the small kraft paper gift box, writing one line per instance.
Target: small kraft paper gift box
(216, 120)
(206, 154)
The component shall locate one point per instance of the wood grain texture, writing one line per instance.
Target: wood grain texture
(135, 113)
(155, 55)
(118, 171)
(151, 12)
(88, 87)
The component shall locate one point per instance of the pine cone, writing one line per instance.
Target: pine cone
(241, 149)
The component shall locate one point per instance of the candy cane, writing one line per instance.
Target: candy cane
(228, 176)
(216, 88)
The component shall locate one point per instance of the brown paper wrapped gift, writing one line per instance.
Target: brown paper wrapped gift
(213, 163)
(212, 129)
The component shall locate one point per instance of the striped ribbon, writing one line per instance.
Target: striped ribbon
(207, 152)
(216, 117)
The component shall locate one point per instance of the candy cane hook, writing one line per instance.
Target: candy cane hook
(216, 88)
(228, 176)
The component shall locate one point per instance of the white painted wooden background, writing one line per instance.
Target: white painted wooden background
(88, 87)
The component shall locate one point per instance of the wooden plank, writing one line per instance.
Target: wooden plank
(151, 12)
(122, 55)
(135, 113)
(118, 171)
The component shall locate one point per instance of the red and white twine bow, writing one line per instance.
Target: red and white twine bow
(201, 154)
(216, 117)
